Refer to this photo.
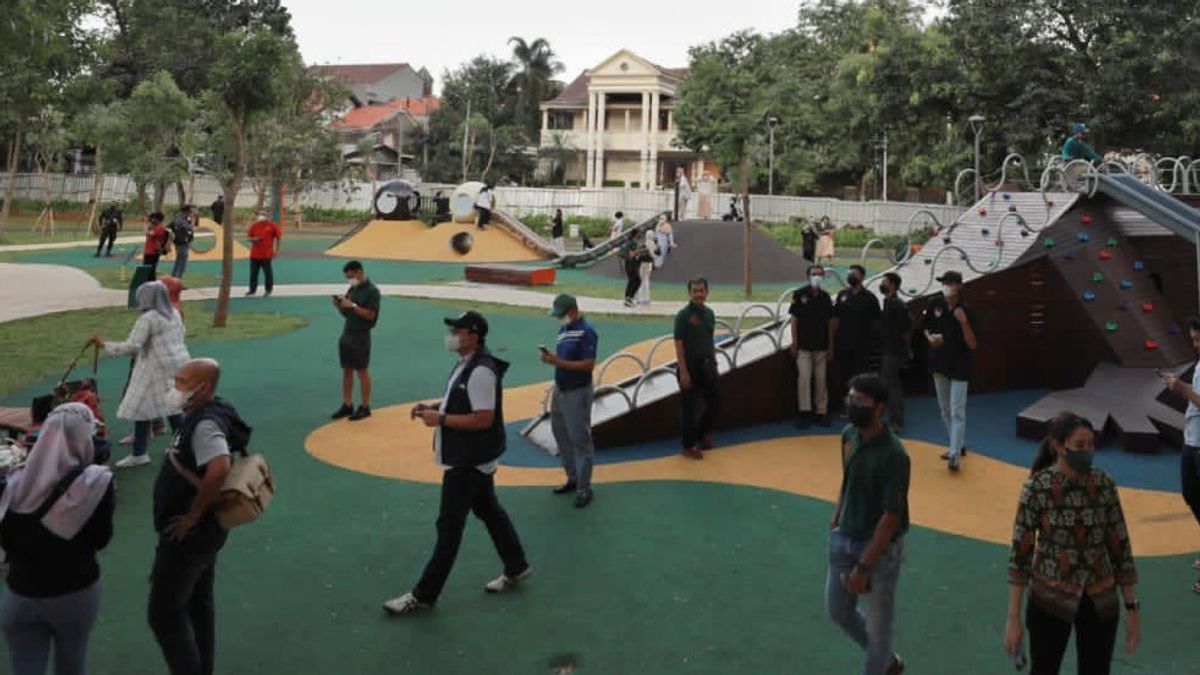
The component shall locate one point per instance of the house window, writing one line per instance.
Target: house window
(561, 120)
(664, 120)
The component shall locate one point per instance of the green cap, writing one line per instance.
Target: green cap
(563, 304)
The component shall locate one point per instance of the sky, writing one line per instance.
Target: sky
(443, 34)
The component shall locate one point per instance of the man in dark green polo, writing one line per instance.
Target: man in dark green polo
(360, 306)
(697, 368)
(866, 542)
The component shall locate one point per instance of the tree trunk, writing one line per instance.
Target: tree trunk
(94, 201)
(491, 157)
(747, 268)
(230, 189)
(191, 190)
(10, 187)
(160, 195)
(141, 198)
(180, 193)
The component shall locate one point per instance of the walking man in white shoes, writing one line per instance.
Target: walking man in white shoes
(468, 440)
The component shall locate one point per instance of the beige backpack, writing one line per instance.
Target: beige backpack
(247, 491)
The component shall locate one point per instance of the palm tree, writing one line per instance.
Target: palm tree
(536, 67)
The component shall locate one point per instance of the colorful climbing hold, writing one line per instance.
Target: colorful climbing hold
(946, 240)
(1069, 255)
(963, 257)
(985, 232)
(1006, 196)
(1147, 307)
(1124, 304)
(983, 211)
(1126, 284)
(1024, 233)
(1173, 329)
(1097, 277)
(1012, 208)
(990, 265)
(999, 242)
(1105, 255)
(928, 261)
(1151, 345)
(1112, 241)
(1049, 202)
(912, 290)
(1111, 326)
(1048, 242)
(1083, 236)
(1088, 296)
(1086, 219)
(1138, 265)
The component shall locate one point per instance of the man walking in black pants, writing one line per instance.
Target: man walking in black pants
(182, 613)
(896, 338)
(856, 320)
(695, 355)
(630, 256)
(468, 440)
(111, 222)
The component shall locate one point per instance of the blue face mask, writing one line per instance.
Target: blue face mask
(1080, 461)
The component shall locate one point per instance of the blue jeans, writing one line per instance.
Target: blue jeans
(571, 422)
(952, 402)
(141, 433)
(32, 625)
(181, 260)
(872, 629)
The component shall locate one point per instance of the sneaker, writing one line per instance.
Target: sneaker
(249, 294)
(1196, 564)
(954, 464)
(897, 665)
(583, 498)
(504, 582)
(132, 461)
(629, 303)
(962, 453)
(565, 488)
(345, 411)
(363, 412)
(267, 294)
(404, 605)
(693, 453)
(706, 442)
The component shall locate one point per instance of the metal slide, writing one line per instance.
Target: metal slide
(523, 233)
(737, 346)
(608, 246)
(1161, 207)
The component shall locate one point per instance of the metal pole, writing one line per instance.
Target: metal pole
(885, 192)
(771, 162)
(978, 181)
(1198, 258)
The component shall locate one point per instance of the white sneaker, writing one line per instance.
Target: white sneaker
(405, 604)
(133, 460)
(505, 582)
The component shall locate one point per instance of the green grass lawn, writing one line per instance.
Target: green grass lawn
(43, 346)
(64, 232)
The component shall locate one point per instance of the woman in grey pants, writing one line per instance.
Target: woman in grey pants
(55, 514)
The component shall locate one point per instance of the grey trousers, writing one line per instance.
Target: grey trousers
(571, 422)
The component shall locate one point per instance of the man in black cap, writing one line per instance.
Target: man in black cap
(468, 440)
(950, 328)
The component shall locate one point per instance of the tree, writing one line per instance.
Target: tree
(247, 82)
(48, 140)
(536, 67)
(724, 107)
(157, 116)
(97, 126)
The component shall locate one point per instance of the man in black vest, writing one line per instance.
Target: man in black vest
(468, 440)
(110, 223)
(181, 612)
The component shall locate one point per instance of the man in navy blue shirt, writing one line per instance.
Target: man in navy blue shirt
(573, 359)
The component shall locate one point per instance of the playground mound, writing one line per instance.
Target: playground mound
(715, 250)
(414, 241)
(208, 248)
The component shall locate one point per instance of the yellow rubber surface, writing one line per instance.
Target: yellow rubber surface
(413, 240)
(209, 248)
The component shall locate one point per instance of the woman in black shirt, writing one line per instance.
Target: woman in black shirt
(55, 514)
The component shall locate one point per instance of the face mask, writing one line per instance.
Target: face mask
(860, 416)
(816, 282)
(452, 342)
(354, 281)
(949, 291)
(565, 320)
(885, 289)
(854, 281)
(177, 399)
(1080, 461)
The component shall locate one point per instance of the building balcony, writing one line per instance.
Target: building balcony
(619, 141)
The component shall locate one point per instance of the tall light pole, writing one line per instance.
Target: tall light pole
(977, 121)
(881, 144)
(771, 124)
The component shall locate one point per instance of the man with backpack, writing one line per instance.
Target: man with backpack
(183, 231)
(111, 222)
(181, 611)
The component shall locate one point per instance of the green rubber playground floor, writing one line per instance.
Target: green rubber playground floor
(654, 577)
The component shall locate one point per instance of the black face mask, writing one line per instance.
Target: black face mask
(860, 416)
(885, 289)
(854, 281)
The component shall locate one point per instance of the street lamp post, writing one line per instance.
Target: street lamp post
(977, 121)
(771, 123)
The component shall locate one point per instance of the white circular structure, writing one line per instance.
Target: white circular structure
(462, 201)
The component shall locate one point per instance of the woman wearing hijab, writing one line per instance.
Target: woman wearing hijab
(646, 267)
(825, 249)
(664, 234)
(157, 341)
(55, 515)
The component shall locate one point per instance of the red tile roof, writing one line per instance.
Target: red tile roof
(362, 73)
(368, 116)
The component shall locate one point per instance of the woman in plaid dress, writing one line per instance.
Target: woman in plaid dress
(157, 341)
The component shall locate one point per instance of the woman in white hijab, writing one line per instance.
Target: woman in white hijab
(646, 267)
(55, 514)
(157, 340)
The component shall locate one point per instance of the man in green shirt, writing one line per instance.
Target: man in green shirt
(866, 542)
(360, 306)
(1077, 148)
(697, 368)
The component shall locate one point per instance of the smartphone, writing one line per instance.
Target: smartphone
(543, 348)
(336, 297)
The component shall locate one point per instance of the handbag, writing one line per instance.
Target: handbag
(64, 391)
(245, 494)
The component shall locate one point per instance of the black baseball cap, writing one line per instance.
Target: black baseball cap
(950, 277)
(469, 321)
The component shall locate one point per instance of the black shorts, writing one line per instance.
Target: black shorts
(354, 349)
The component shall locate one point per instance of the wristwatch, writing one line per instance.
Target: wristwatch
(1133, 606)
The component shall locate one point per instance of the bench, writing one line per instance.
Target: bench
(510, 275)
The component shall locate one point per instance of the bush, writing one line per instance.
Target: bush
(594, 228)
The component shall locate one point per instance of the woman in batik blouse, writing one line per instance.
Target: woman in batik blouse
(1071, 550)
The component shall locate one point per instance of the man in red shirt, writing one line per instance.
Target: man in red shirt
(157, 240)
(264, 238)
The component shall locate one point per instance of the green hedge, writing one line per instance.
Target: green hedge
(594, 228)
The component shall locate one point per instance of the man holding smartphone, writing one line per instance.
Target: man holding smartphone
(950, 328)
(360, 306)
(573, 359)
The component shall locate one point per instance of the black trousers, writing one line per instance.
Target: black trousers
(889, 370)
(109, 236)
(152, 261)
(1189, 475)
(1048, 636)
(467, 490)
(265, 266)
(182, 613)
(848, 360)
(633, 279)
(704, 386)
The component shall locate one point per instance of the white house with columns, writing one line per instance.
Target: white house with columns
(618, 122)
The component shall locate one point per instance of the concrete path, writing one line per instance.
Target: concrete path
(81, 243)
(34, 290)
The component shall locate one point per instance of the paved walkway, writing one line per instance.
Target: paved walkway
(80, 243)
(60, 288)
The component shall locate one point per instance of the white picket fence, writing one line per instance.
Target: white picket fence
(638, 205)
